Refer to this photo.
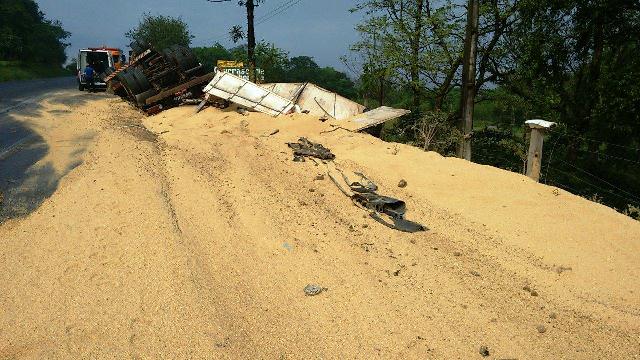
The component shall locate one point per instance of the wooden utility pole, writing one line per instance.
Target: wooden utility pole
(415, 42)
(379, 71)
(469, 78)
(251, 35)
(538, 129)
(251, 40)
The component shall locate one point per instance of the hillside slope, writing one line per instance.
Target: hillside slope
(186, 235)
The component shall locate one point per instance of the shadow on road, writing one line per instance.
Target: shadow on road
(26, 178)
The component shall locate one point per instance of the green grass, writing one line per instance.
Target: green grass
(17, 70)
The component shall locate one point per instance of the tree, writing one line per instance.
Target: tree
(396, 36)
(26, 35)
(271, 59)
(468, 78)
(577, 63)
(209, 56)
(161, 31)
(302, 68)
(278, 67)
(418, 46)
(72, 66)
(305, 69)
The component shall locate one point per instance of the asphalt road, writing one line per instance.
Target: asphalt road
(21, 146)
(15, 96)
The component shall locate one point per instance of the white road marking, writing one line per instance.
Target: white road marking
(5, 153)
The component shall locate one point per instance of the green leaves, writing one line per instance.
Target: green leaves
(161, 31)
(26, 35)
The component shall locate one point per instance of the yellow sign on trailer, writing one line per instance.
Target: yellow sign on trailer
(223, 64)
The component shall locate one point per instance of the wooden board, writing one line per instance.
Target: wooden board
(174, 90)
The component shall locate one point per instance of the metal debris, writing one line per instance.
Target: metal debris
(383, 209)
(317, 101)
(373, 118)
(304, 148)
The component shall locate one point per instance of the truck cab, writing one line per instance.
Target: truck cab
(104, 60)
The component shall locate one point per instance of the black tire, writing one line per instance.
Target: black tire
(80, 86)
(180, 56)
(185, 59)
(136, 47)
(130, 83)
(169, 57)
(141, 79)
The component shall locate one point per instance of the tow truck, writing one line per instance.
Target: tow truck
(104, 61)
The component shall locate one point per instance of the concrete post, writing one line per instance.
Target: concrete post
(538, 129)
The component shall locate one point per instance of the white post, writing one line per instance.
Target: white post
(534, 157)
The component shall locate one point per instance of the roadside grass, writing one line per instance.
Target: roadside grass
(17, 70)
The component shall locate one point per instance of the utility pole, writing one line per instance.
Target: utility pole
(379, 71)
(251, 40)
(469, 78)
(251, 35)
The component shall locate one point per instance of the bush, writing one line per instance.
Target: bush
(434, 132)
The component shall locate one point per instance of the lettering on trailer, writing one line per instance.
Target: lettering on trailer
(237, 68)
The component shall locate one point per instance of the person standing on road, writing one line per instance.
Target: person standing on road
(89, 76)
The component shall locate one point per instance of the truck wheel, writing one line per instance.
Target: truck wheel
(183, 57)
(130, 83)
(140, 78)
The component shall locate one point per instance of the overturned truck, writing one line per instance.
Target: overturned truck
(156, 79)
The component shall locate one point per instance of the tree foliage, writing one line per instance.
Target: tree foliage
(575, 62)
(161, 31)
(209, 56)
(578, 63)
(417, 45)
(279, 67)
(26, 35)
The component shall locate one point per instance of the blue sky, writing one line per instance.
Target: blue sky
(323, 29)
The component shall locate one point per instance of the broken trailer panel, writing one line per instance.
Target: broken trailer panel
(250, 95)
(282, 98)
(316, 100)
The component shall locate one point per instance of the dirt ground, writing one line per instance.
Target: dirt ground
(193, 236)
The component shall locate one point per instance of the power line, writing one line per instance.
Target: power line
(289, 5)
(601, 179)
(282, 5)
(278, 10)
(609, 156)
(566, 187)
(604, 142)
(565, 133)
(551, 156)
(598, 187)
